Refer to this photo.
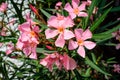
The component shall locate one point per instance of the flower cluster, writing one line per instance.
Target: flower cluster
(28, 39)
(117, 36)
(59, 60)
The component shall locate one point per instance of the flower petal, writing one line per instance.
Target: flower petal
(89, 44)
(68, 7)
(72, 45)
(78, 33)
(25, 27)
(50, 33)
(82, 14)
(82, 7)
(72, 15)
(68, 62)
(75, 3)
(68, 34)
(81, 51)
(87, 34)
(60, 42)
(52, 22)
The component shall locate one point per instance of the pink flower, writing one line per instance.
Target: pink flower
(51, 59)
(3, 7)
(116, 68)
(58, 4)
(10, 48)
(1, 44)
(3, 32)
(57, 25)
(118, 46)
(81, 37)
(59, 60)
(116, 34)
(28, 39)
(76, 10)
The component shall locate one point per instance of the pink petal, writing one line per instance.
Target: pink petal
(87, 34)
(82, 7)
(51, 33)
(8, 51)
(69, 63)
(1, 44)
(33, 55)
(75, 3)
(43, 62)
(72, 15)
(78, 33)
(68, 34)
(81, 51)
(118, 46)
(19, 44)
(68, 7)
(89, 44)
(60, 42)
(36, 29)
(72, 45)
(68, 22)
(25, 27)
(52, 22)
(82, 14)
(24, 37)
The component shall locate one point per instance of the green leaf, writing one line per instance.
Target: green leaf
(90, 10)
(105, 35)
(93, 57)
(45, 13)
(77, 74)
(99, 20)
(115, 9)
(87, 74)
(42, 50)
(94, 66)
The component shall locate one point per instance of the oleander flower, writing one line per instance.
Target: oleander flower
(28, 39)
(3, 7)
(116, 68)
(57, 26)
(75, 9)
(81, 37)
(116, 34)
(118, 46)
(59, 60)
(10, 48)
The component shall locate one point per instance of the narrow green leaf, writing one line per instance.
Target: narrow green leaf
(90, 63)
(78, 76)
(99, 20)
(115, 9)
(42, 50)
(45, 13)
(93, 57)
(90, 12)
(87, 74)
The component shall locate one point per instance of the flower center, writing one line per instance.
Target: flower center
(80, 42)
(33, 34)
(76, 11)
(60, 29)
